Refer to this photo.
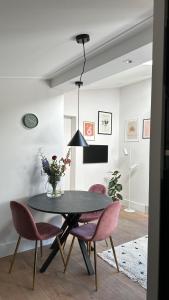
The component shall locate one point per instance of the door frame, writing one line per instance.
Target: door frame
(156, 151)
(73, 154)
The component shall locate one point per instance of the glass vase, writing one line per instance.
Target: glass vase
(54, 189)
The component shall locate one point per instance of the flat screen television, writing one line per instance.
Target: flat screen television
(95, 154)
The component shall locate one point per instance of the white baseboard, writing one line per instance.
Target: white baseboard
(142, 207)
(25, 245)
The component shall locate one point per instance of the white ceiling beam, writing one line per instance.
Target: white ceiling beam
(132, 39)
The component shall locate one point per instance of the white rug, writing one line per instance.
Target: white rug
(132, 259)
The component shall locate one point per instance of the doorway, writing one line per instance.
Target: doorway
(69, 128)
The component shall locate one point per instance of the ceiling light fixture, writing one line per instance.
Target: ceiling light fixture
(78, 139)
(128, 61)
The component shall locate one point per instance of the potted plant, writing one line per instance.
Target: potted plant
(114, 187)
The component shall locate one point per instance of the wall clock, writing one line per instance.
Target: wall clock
(30, 120)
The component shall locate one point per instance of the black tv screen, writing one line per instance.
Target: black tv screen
(95, 154)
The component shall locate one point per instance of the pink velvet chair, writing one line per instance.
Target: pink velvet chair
(28, 229)
(93, 216)
(92, 232)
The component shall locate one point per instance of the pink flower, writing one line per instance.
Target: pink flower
(67, 161)
(57, 167)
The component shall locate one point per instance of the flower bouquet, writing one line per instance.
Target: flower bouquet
(55, 169)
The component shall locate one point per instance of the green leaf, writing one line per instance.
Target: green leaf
(111, 191)
(119, 196)
(118, 187)
(111, 184)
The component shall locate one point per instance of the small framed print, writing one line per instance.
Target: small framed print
(146, 129)
(104, 122)
(89, 130)
(132, 130)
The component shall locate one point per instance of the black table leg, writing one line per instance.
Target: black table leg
(64, 226)
(70, 222)
(86, 257)
(48, 260)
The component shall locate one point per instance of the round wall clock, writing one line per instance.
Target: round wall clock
(30, 120)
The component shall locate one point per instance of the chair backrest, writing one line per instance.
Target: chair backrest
(23, 221)
(108, 221)
(98, 188)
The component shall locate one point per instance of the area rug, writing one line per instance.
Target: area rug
(132, 259)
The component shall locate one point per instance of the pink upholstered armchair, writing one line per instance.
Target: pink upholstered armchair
(92, 232)
(28, 229)
(93, 216)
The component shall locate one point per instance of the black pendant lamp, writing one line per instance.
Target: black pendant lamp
(78, 139)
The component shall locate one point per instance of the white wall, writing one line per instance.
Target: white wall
(135, 102)
(91, 101)
(130, 102)
(20, 175)
(20, 162)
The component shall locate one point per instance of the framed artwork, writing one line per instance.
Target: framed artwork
(132, 130)
(146, 129)
(89, 130)
(104, 122)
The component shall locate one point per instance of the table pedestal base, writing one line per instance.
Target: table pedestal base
(71, 221)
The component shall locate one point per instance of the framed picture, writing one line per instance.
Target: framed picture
(89, 130)
(146, 129)
(104, 122)
(132, 130)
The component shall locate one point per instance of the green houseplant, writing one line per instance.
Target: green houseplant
(114, 187)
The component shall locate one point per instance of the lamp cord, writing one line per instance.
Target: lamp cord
(84, 63)
(78, 107)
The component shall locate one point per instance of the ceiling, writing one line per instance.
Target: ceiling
(130, 76)
(116, 72)
(37, 35)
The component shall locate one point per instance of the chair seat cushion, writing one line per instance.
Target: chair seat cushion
(47, 231)
(84, 232)
(89, 217)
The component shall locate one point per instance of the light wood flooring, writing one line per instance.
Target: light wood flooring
(75, 284)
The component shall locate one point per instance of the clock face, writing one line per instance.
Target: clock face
(30, 120)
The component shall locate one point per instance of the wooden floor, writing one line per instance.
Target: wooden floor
(75, 284)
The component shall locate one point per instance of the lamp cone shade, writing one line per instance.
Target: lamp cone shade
(78, 140)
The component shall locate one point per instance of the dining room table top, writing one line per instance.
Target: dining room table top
(70, 202)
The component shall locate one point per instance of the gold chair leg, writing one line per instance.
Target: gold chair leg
(68, 256)
(89, 248)
(14, 255)
(106, 243)
(34, 267)
(41, 248)
(61, 251)
(95, 265)
(87, 244)
(64, 244)
(114, 252)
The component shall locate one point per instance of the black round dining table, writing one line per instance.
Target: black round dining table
(70, 205)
